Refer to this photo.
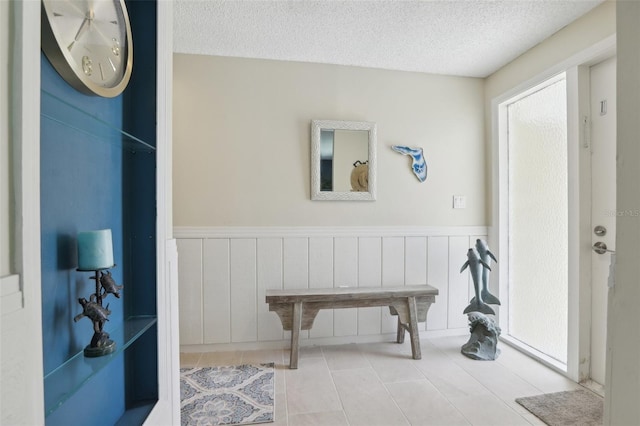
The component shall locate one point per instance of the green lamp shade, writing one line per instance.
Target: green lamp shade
(95, 250)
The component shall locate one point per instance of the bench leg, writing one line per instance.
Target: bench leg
(295, 334)
(413, 328)
(400, 336)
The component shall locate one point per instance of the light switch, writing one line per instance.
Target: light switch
(459, 202)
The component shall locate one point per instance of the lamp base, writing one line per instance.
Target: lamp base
(100, 345)
(109, 348)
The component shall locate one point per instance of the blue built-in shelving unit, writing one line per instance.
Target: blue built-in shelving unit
(98, 170)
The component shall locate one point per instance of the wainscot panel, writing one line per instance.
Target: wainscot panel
(225, 272)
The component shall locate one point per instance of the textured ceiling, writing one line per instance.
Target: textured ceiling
(455, 37)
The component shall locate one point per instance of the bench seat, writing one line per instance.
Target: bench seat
(297, 308)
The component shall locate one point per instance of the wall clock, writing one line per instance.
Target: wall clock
(89, 44)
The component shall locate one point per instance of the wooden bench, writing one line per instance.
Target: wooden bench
(297, 309)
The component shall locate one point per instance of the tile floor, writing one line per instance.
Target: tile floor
(379, 384)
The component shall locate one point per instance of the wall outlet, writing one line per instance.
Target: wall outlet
(459, 202)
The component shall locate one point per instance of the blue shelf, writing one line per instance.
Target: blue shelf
(135, 416)
(63, 382)
(62, 112)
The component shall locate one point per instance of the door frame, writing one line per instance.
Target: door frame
(579, 169)
(604, 263)
(21, 366)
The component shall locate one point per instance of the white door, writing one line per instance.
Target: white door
(603, 204)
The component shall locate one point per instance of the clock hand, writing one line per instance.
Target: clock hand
(81, 29)
(86, 24)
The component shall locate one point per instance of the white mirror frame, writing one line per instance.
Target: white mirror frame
(316, 127)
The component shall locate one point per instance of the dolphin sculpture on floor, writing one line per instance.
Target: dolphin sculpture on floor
(486, 255)
(419, 165)
(475, 263)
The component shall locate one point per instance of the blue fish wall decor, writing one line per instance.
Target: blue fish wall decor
(419, 165)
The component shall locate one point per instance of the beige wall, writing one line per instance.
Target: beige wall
(585, 32)
(242, 143)
(579, 35)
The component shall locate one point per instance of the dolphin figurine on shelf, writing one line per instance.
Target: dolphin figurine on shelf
(419, 165)
(486, 255)
(475, 263)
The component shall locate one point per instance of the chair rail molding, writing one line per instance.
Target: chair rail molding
(189, 232)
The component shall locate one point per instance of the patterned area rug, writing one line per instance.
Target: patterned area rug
(578, 407)
(234, 395)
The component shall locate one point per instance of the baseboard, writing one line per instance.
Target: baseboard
(553, 364)
(321, 341)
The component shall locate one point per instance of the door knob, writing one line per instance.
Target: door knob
(601, 248)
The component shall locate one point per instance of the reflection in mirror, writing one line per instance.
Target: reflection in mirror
(343, 160)
(344, 155)
(326, 159)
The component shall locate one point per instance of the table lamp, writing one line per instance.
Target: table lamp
(95, 254)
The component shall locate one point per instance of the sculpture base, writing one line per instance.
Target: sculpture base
(108, 348)
(100, 345)
(479, 353)
(483, 342)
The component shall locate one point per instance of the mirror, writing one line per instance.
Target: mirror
(343, 160)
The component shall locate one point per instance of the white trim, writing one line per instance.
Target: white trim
(552, 363)
(9, 285)
(574, 149)
(579, 309)
(503, 145)
(193, 232)
(498, 234)
(589, 56)
(10, 294)
(579, 294)
(561, 75)
(28, 225)
(25, 121)
(167, 409)
(319, 341)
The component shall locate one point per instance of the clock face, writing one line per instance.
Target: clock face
(89, 43)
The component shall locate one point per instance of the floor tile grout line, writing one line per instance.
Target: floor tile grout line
(393, 399)
(461, 363)
(440, 346)
(495, 395)
(442, 394)
(498, 397)
(344, 412)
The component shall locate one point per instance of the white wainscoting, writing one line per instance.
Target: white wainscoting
(224, 273)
